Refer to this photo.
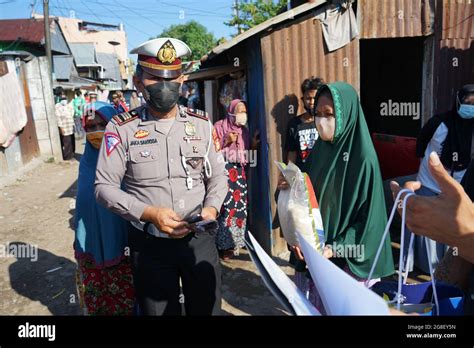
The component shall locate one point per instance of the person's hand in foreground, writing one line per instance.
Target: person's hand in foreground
(282, 183)
(447, 218)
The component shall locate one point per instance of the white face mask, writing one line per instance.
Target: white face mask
(63, 102)
(326, 127)
(241, 119)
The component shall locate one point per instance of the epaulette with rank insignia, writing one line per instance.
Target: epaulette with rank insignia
(197, 113)
(125, 117)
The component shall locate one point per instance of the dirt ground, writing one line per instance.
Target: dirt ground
(38, 210)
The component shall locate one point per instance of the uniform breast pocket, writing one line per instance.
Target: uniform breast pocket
(194, 156)
(145, 162)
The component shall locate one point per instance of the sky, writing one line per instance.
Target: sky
(142, 18)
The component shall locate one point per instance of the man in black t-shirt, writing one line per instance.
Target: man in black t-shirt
(301, 135)
(301, 132)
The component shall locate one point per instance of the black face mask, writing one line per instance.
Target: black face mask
(163, 95)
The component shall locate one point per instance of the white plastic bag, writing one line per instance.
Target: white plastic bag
(298, 209)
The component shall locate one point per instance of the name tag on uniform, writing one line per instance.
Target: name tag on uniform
(192, 138)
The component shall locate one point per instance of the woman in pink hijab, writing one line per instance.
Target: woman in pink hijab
(232, 138)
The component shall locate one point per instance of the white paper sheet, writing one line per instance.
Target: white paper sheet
(278, 282)
(340, 293)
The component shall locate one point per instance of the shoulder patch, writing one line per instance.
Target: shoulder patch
(198, 113)
(112, 140)
(125, 117)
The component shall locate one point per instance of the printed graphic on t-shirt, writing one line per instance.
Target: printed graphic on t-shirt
(307, 137)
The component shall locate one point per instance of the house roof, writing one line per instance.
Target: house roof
(27, 56)
(110, 64)
(101, 38)
(29, 30)
(212, 73)
(265, 25)
(75, 82)
(84, 54)
(64, 67)
(32, 31)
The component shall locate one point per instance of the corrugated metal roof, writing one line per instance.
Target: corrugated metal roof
(29, 30)
(32, 31)
(212, 73)
(63, 67)
(110, 64)
(84, 54)
(395, 18)
(101, 38)
(267, 24)
(58, 41)
(74, 83)
(458, 19)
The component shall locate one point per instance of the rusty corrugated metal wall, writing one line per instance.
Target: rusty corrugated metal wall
(395, 18)
(457, 19)
(454, 51)
(291, 54)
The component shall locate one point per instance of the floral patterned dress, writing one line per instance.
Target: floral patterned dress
(233, 217)
(105, 290)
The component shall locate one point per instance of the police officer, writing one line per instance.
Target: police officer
(164, 155)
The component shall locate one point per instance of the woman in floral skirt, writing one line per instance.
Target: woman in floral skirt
(232, 138)
(104, 276)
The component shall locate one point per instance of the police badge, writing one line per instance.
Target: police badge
(167, 53)
(190, 128)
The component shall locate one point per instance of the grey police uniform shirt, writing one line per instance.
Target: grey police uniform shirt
(157, 168)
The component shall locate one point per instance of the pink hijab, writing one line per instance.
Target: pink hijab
(224, 127)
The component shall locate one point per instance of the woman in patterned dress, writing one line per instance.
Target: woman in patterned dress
(104, 276)
(232, 138)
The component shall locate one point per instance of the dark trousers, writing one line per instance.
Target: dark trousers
(68, 146)
(159, 264)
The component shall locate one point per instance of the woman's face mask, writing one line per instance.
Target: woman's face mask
(466, 111)
(63, 102)
(324, 118)
(326, 127)
(241, 119)
(95, 138)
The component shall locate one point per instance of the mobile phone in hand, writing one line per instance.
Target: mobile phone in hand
(194, 219)
(197, 224)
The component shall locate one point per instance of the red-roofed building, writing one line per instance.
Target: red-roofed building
(28, 35)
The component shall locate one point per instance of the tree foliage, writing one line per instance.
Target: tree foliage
(195, 35)
(254, 12)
